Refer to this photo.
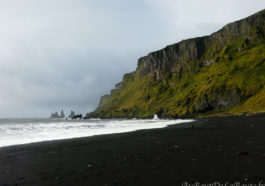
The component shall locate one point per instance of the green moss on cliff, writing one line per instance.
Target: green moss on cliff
(240, 80)
(226, 75)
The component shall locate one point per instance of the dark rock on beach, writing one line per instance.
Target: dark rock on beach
(78, 116)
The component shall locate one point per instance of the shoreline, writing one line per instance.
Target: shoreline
(117, 131)
(216, 149)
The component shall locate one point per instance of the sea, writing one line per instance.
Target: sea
(31, 130)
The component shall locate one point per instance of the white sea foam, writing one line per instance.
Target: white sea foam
(23, 131)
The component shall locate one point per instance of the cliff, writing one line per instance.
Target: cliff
(220, 73)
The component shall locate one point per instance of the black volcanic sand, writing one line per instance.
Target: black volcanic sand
(230, 149)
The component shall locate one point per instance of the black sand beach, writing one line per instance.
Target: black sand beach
(230, 149)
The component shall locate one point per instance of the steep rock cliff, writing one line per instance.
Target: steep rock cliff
(212, 74)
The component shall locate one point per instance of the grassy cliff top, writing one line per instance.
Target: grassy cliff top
(223, 73)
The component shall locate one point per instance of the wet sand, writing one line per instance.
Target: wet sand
(230, 149)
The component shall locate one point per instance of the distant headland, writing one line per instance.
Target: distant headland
(220, 74)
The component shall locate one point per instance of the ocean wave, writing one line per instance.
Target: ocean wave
(23, 131)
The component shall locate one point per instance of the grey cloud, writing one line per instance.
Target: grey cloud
(65, 54)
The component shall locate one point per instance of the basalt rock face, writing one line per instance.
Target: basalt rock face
(173, 59)
(178, 57)
(104, 100)
(218, 73)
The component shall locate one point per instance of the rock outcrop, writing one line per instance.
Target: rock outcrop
(199, 75)
(177, 58)
(56, 115)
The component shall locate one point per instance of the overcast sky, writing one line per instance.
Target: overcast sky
(65, 54)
